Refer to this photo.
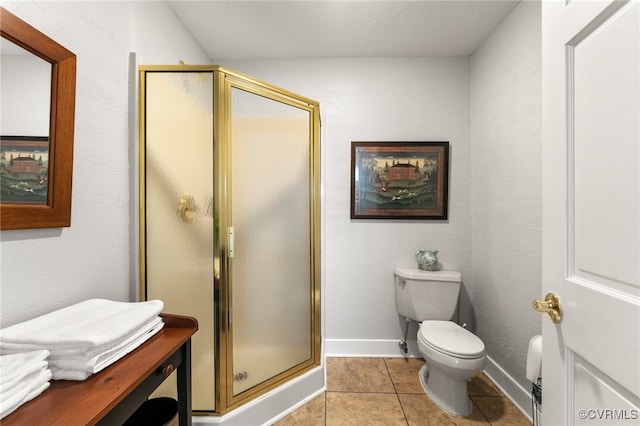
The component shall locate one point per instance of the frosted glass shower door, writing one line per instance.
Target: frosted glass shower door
(271, 278)
(177, 222)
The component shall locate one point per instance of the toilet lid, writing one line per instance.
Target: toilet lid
(450, 338)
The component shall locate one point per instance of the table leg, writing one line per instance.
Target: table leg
(184, 386)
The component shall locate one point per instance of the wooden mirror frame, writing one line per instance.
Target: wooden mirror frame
(57, 212)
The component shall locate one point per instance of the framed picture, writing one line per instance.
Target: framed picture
(24, 168)
(399, 180)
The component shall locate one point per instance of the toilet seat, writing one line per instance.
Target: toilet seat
(451, 339)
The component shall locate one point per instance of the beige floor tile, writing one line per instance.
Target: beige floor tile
(364, 409)
(482, 386)
(404, 374)
(358, 375)
(365, 394)
(310, 414)
(421, 411)
(499, 410)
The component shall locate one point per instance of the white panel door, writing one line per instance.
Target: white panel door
(591, 213)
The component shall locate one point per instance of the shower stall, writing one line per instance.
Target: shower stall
(230, 226)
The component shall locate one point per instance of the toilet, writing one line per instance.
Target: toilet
(452, 354)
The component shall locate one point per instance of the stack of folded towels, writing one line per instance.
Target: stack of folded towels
(83, 339)
(23, 376)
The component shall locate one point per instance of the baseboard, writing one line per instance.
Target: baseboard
(369, 348)
(274, 405)
(520, 397)
(390, 348)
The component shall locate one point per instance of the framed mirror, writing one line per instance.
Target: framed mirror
(36, 154)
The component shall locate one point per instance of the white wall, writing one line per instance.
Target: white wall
(25, 84)
(506, 185)
(380, 100)
(47, 269)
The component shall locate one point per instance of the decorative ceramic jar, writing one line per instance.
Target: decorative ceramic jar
(427, 259)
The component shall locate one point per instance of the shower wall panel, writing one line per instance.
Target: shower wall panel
(178, 211)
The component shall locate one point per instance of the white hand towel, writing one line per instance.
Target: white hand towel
(70, 368)
(19, 383)
(13, 365)
(86, 354)
(75, 375)
(15, 399)
(84, 325)
(24, 377)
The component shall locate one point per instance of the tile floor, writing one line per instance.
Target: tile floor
(387, 392)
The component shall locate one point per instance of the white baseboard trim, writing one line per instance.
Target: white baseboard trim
(520, 397)
(273, 405)
(391, 349)
(369, 348)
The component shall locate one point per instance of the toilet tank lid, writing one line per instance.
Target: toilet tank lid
(419, 274)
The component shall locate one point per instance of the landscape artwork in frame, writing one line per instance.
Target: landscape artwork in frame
(24, 170)
(399, 180)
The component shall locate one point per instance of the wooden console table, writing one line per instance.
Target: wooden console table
(111, 396)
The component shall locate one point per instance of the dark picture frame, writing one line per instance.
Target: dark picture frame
(400, 180)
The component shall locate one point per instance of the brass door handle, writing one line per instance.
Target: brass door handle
(550, 305)
(187, 207)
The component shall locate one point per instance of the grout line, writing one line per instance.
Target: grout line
(477, 407)
(390, 377)
(396, 391)
(325, 408)
(402, 408)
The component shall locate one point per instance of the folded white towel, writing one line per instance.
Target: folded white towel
(35, 387)
(25, 376)
(87, 354)
(85, 325)
(79, 368)
(75, 375)
(14, 365)
(18, 383)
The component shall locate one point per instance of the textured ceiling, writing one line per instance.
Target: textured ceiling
(240, 30)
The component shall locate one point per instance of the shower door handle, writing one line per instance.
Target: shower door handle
(187, 207)
(231, 242)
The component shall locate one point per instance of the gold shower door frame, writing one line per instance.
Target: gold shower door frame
(224, 81)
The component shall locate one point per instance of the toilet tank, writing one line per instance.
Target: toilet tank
(427, 295)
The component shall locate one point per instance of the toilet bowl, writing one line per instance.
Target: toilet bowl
(452, 356)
